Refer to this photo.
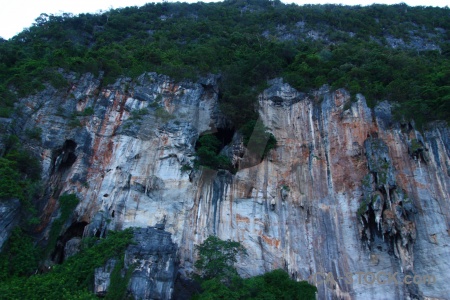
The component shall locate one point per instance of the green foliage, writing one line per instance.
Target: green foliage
(20, 172)
(362, 208)
(74, 278)
(261, 141)
(208, 155)
(185, 168)
(19, 257)
(137, 114)
(286, 188)
(273, 285)
(10, 186)
(34, 133)
(88, 111)
(74, 122)
(163, 115)
(220, 280)
(118, 284)
(190, 40)
(216, 258)
(26, 163)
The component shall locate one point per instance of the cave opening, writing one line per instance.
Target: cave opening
(64, 157)
(68, 154)
(375, 238)
(224, 135)
(74, 230)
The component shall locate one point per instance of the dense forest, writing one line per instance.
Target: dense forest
(396, 53)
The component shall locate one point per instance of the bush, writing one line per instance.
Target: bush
(208, 153)
(19, 257)
(19, 171)
(138, 113)
(74, 278)
(217, 258)
(34, 133)
(10, 186)
(88, 111)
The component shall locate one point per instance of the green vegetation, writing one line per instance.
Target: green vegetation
(20, 257)
(74, 122)
(273, 285)
(286, 188)
(308, 45)
(137, 114)
(118, 284)
(217, 258)
(362, 207)
(71, 280)
(88, 111)
(20, 173)
(163, 115)
(220, 280)
(208, 153)
(34, 133)
(185, 168)
(416, 147)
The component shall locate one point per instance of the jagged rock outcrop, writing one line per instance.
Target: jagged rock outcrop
(102, 278)
(9, 216)
(153, 259)
(72, 247)
(302, 208)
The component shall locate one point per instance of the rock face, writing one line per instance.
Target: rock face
(102, 278)
(154, 260)
(72, 247)
(348, 190)
(9, 215)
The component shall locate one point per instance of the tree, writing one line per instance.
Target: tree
(217, 259)
(208, 153)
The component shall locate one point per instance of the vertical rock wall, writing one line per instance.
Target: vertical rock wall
(347, 191)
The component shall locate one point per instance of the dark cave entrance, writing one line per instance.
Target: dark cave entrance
(224, 135)
(64, 157)
(68, 154)
(74, 230)
(376, 238)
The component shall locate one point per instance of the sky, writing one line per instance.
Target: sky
(15, 15)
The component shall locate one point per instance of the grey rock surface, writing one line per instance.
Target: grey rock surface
(9, 217)
(153, 258)
(102, 278)
(72, 247)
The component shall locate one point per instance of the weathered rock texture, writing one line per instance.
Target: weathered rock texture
(154, 262)
(9, 216)
(102, 278)
(347, 190)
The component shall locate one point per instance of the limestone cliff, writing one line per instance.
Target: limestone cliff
(348, 190)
